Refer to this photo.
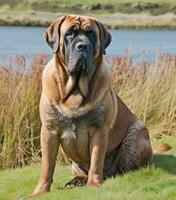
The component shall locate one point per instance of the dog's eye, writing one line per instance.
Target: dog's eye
(89, 32)
(72, 32)
(69, 33)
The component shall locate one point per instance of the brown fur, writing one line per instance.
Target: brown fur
(91, 123)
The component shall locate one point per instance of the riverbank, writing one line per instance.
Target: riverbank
(157, 14)
(112, 21)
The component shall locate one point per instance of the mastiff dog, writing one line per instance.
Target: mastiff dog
(81, 112)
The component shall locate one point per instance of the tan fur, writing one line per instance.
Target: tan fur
(161, 148)
(93, 126)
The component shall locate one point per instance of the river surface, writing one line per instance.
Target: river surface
(29, 41)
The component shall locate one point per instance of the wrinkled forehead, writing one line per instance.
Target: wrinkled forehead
(80, 22)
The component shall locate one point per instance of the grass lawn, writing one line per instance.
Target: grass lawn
(155, 183)
(91, 1)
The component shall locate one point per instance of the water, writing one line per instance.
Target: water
(29, 41)
(147, 42)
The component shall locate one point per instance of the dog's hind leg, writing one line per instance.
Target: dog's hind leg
(135, 150)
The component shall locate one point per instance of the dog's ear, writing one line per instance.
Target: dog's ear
(52, 34)
(105, 37)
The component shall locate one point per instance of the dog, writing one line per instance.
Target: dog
(81, 112)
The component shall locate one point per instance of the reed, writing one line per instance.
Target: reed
(148, 88)
(20, 86)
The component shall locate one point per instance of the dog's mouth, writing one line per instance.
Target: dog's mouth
(78, 76)
(81, 65)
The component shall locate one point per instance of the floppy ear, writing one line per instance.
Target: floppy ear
(52, 34)
(105, 37)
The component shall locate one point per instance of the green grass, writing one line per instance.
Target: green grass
(89, 2)
(54, 5)
(157, 182)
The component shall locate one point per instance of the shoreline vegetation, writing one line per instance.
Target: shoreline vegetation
(146, 87)
(157, 14)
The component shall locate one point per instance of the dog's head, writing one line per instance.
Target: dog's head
(78, 41)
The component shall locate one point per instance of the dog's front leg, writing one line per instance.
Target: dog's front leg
(98, 145)
(49, 145)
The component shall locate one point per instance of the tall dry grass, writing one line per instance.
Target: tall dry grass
(20, 86)
(148, 88)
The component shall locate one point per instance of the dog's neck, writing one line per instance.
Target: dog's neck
(84, 94)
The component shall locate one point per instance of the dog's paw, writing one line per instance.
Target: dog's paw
(77, 181)
(94, 180)
(38, 191)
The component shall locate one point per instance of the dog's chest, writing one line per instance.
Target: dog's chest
(74, 132)
(75, 142)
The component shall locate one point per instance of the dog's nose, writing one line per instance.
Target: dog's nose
(81, 46)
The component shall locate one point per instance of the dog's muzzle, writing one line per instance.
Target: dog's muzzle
(81, 58)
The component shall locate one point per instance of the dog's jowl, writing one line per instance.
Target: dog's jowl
(81, 112)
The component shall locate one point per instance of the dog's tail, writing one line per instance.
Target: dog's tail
(161, 148)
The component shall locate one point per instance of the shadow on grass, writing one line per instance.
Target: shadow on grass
(166, 162)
